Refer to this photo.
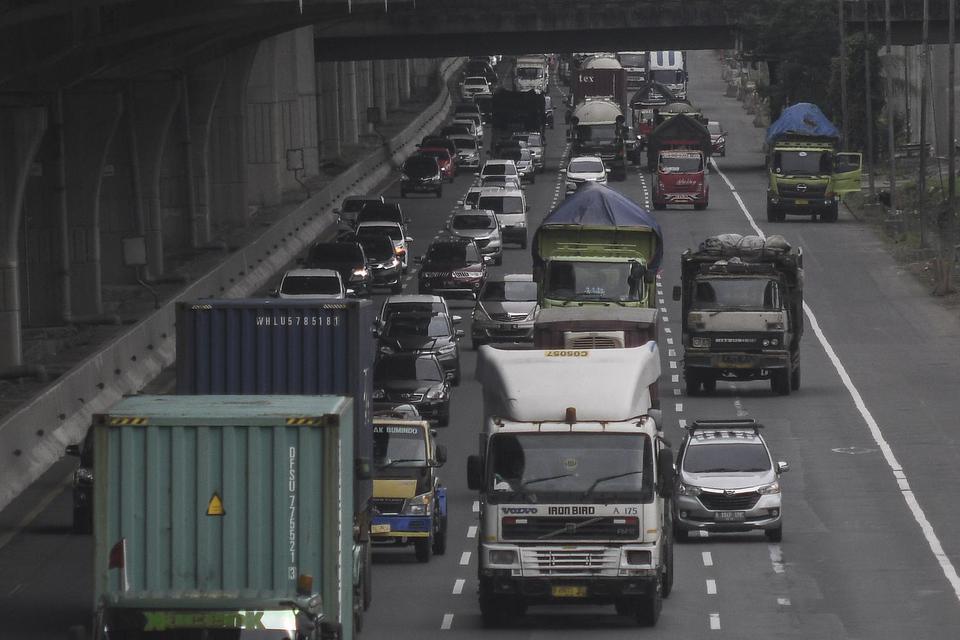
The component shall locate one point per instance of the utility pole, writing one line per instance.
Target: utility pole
(946, 219)
(843, 73)
(891, 138)
(866, 67)
(922, 178)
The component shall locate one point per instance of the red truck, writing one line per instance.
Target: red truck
(681, 178)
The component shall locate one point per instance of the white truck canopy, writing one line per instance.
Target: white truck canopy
(538, 385)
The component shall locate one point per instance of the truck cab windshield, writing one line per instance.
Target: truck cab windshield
(593, 281)
(398, 446)
(529, 73)
(598, 132)
(570, 466)
(802, 163)
(711, 294)
(693, 164)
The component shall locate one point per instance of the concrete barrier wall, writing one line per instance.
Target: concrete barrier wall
(34, 437)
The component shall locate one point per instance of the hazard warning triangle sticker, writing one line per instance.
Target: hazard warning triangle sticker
(215, 506)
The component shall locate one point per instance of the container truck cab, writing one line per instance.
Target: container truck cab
(595, 328)
(635, 64)
(807, 174)
(681, 178)
(409, 502)
(669, 68)
(598, 128)
(575, 480)
(531, 73)
(742, 312)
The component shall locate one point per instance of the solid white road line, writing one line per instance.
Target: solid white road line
(447, 622)
(711, 587)
(707, 558)
(464, 558)
(933, 541)
(458, 586)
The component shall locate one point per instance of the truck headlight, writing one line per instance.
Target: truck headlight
(420, 505)
(770, 342)
(688, 489)
(502, 556)
(769, 489)
(436, 394)
(639, 556)
(699, 342)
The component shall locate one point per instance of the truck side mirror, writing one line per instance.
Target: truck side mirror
(474, 473)
(665, 473)
(657, 416)
(73, 450)
(440, 455)
(677, 292)
(782, 467)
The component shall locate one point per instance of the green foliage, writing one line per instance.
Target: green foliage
(856, 137)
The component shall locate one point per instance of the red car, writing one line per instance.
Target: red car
(448, 163)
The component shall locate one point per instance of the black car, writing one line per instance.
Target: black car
(83, 485)
(422, 333)
(414, 379)
(385, 267)
(383, 211)
(346, 258)
(421, 174)
(452, 266)
(481, 68)
(441, 141)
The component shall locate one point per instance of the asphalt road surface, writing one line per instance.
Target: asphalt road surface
(869, 504)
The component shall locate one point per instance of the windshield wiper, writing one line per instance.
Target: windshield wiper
(543, 479)
(589, 491)
(569, 529)
(393, 462)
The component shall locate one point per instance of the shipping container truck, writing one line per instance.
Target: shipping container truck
(575, 480)
(742, 312)
(669, 68)
(224, 517)
(635, 64)
(289, 347)
(515, 111)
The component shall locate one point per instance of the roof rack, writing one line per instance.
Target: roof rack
(715, 425)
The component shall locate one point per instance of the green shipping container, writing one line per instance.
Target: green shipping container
(219, 504)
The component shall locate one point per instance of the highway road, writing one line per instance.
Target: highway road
(871, 437)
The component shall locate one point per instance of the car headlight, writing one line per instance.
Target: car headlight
(688, 490)
(379, 394)
(360, 273)
(83, 475)
(404, 177)
(699, 342)
(420, 505)
(393, 262)
(769, 489)
(447, 349)
(436, 393)
(502, 556)
(721, 140)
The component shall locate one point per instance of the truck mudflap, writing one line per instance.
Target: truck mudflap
(587, 590)
(738, 364)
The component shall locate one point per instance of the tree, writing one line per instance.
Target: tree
(856, 137)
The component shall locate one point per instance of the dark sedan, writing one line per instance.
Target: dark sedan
(424, 333)
(382, 261)
(452, 266)
(414, 379)
(348, 259)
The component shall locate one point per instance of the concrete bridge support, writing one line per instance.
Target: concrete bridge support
(200, 96)
(21, 130)
(404, 73)
(393, 84)
(380, 87)
(349, 101)
(328, 89)
(365, 97)
(228, 165)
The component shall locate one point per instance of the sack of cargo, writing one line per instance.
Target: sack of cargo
(733, 244)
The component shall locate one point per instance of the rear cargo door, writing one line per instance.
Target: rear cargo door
(846, 175)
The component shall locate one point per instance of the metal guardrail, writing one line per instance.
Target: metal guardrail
(34, 436)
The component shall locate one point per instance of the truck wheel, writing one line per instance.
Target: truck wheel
(648, 608)
(780, 382)
(795, 379)
(440, 192)
(397, 288)
(659, 206)
(443, 419)
(367, 576)
(498, 610)
(440, 537)
(82, 521)
(523, 243)
(700, 206)
(709, 386)
(693, 382)
(666, 577)
(831, 214)
(422, 548)
(403, 194)
(358, 609)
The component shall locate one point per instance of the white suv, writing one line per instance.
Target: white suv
(510, 205)
(585, 169)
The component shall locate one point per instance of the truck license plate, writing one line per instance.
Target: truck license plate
(802, 202)
(729, 516)
(736, 363)
(380, 528)
(568, 591)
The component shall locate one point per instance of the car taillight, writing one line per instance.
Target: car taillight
(399, 251)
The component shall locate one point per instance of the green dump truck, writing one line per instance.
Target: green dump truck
(808, 175)
(224, 517)
(597, 248)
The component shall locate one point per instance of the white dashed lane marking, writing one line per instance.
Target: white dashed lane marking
(472, 531)
(465, 558)
(715, 621)
(458, 586)
(707, 558)
(711, 587)
(776, 557)
(447, 622)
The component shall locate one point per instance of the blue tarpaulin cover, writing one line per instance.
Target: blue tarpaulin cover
(596, 205)
(802, 119)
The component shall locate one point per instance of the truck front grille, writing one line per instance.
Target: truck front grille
(593, 342)
(569, 562)
(802, 190)
(570, 528)
(388, 506)
(736, 502)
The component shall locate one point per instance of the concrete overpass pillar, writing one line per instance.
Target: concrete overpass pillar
(404, 79)
(21, 130)
(348, 101)
(364, 95)
(421, 75)
(201, 91)
(328, 109)
(381, 81)
(90, 124)
(263, 142)
(393, 84)
(153, 104)
(228, 151)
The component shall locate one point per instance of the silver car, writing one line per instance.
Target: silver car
(727, 481)
(535, 144)
(483, 226)
(506, 310)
